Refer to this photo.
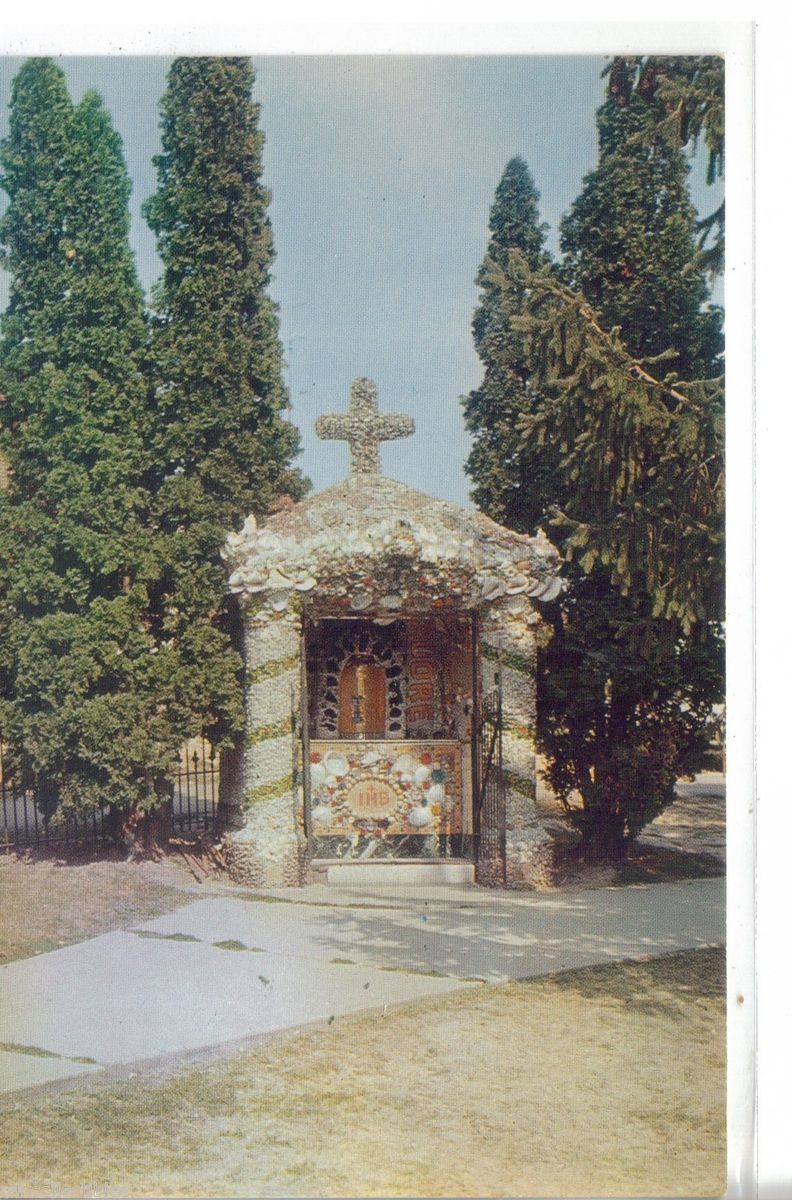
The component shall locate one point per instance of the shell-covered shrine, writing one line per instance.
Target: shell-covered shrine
(389, 641)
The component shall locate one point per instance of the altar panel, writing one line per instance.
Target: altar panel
(386, 789)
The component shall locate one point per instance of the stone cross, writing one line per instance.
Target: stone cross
(364, 427)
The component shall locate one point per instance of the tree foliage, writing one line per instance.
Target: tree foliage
(223, 443)
(620, 434)
(638, 480)
(629, 240)
(86, 697)
(496, 463)
(130, 456)
(221, 400)
(685, 99)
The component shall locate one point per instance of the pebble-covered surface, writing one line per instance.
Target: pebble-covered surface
(364, 427)
(375, 547)
(269, 848)
(509, 648)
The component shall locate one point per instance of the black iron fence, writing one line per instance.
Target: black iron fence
(24, 820)
(195, 787)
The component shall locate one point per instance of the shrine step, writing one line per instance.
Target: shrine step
(366, 874)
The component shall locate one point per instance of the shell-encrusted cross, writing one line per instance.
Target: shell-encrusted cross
(364, 427)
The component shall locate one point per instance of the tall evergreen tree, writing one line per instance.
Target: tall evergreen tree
(626, 460)
(685, 98)
(629, 241)
(496, 463)
(86, 701)
(224, 445)
(218, 361)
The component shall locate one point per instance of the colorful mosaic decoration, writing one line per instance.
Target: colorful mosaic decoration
(385, 789)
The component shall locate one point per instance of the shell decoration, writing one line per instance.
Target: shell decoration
(444, 553)
(336, 764)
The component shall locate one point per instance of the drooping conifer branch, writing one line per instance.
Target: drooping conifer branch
(640, 458)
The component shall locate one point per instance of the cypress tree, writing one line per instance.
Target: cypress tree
(223, 442)
(685, 104)
(496, 464)
(32, 159)
(630, 243)
(219, 371)
(85, 711)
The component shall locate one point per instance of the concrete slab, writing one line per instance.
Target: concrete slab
(119, 997)
(494, 939)
(367, 874)
(375, 874)
(27, 1070)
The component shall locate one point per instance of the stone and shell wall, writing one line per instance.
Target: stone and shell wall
(269, 847)
(508, 644)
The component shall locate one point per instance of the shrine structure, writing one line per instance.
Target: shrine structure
(390, 644)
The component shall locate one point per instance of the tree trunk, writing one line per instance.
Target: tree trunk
(602, 833)
(146, 832)
(604, 841)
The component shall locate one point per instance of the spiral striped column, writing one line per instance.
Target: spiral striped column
(269, 848)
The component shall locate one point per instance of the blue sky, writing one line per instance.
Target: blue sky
(382, 171)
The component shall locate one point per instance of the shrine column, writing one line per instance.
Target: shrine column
(508, 639)
(268, 849)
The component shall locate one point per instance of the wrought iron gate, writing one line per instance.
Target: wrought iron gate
(489, 789)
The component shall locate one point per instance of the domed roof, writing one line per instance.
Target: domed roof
(382, 546)
(375, 546)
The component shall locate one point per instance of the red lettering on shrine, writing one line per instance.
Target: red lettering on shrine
(372, 798)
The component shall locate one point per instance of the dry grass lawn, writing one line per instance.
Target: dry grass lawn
(603, 1082)
(46, 904)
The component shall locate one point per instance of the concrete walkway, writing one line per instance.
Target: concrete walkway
(695, 822)
(230, 967)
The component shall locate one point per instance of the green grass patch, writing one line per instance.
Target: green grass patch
(257, 898)
(431, 974)
(34, 1051)
(40, 1052)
